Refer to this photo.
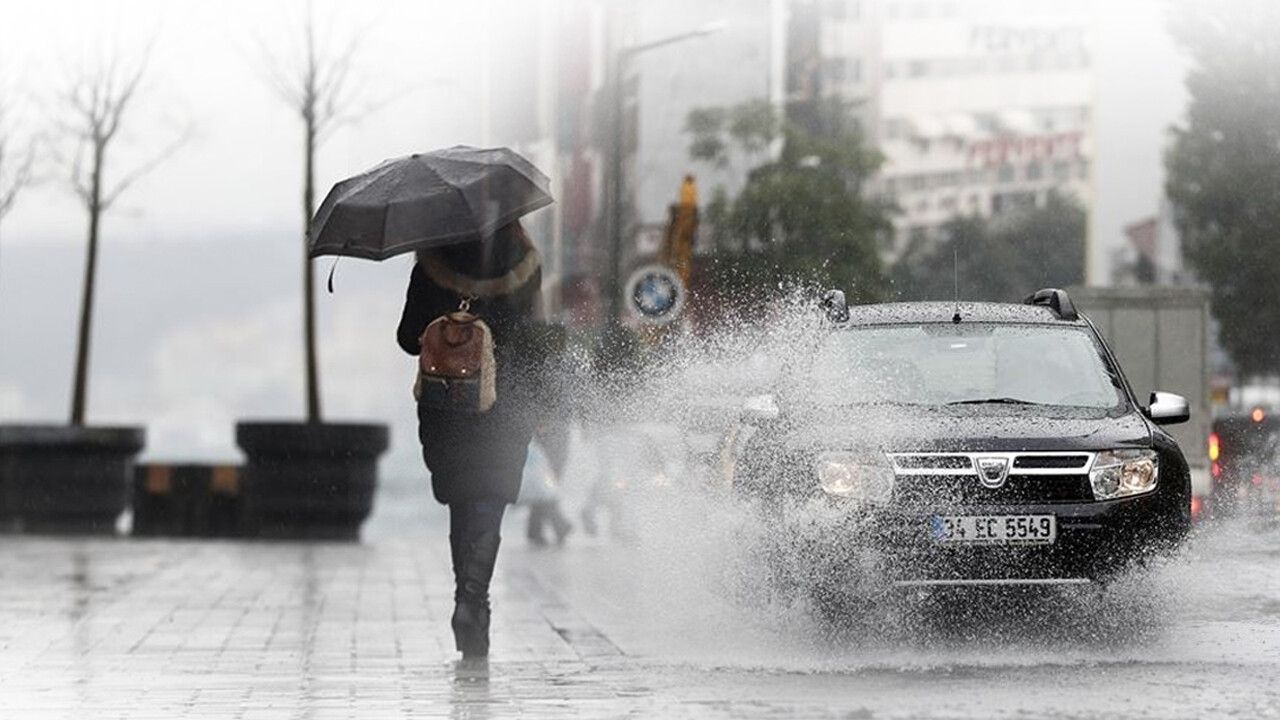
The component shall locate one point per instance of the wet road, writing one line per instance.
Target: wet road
(1198, 637)
(667, 624)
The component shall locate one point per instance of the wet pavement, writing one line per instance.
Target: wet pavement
(667, 625)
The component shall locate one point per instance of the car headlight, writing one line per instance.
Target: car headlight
(1123, 473)
(852, 476)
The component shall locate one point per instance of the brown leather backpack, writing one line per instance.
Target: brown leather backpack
(456, 367)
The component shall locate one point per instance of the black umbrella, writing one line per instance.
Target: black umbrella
(444, 197)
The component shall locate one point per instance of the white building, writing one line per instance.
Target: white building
(977, 105)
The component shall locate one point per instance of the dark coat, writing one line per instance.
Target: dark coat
(480, 456)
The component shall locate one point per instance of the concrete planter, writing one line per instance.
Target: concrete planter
(64, 479)
(309, 480)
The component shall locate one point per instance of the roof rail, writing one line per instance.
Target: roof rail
(1056, 300)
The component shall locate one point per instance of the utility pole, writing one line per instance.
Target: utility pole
(621, 59)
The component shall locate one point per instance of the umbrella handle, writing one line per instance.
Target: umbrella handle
(333, 268)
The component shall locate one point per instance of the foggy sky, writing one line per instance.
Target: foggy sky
(198, 286)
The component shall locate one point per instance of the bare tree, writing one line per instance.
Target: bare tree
(317, 85)
(17, 160)
(96, 99)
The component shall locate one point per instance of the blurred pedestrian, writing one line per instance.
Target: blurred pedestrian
(618, 367)
(476, 455)
(548, 456)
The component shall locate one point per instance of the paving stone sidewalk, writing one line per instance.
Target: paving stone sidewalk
(141, 629)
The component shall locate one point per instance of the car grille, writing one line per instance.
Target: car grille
(940, 480)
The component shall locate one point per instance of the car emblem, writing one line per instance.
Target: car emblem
(993, 471)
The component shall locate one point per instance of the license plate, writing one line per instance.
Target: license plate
(994, 529)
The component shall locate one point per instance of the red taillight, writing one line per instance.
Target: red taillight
(1258, 415)
(1215, 447)
(1197, 507)
(1257, 480)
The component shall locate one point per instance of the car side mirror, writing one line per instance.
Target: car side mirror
(759, 409)
(1168, 409)
(835, 306)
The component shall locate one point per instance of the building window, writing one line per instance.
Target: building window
(1034, 171)
(833, 69)
(1004, 202)
(1005, 174)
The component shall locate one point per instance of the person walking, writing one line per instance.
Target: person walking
(551, 451)
(476, 458)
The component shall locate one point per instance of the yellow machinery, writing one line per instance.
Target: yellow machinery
(682, 231)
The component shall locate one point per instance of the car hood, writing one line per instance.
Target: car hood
(968, 429)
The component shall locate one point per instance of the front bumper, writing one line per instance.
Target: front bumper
(1094, 540)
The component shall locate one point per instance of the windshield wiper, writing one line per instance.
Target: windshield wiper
(995, 401)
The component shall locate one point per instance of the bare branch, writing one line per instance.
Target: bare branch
(21, 178)
(109, 197)
(320, 89)
(96, 101)
(17, 165)
(115, 102)
(285, 82)
(79, 183)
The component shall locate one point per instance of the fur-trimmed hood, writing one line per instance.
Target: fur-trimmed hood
(439, 271)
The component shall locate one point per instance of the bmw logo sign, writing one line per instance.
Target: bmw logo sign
(655, 294)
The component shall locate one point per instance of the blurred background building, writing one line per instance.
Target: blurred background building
(978, 106)
(556, 57)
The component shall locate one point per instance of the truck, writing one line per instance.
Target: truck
(1160, 335)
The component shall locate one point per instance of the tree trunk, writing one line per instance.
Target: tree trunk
(81, 385)
(308, 279)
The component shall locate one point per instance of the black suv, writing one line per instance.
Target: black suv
(964, 444)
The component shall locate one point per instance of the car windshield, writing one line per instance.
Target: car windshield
(970, 363)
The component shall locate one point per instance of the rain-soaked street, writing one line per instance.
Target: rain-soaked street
(664, 625)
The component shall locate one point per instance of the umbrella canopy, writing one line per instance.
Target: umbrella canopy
(444, 197)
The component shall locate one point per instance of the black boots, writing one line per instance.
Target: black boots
(474, 540)
(471, 629)
(472, 570)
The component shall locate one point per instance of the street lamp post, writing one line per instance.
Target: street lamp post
(620, 60)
